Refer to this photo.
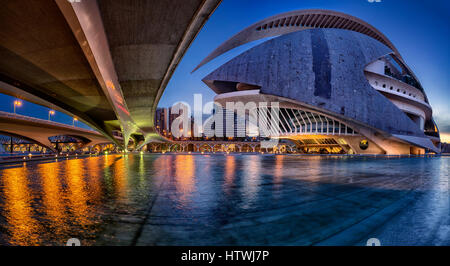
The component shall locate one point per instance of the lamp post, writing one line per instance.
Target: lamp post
(17, 103)
(74, 120)
(51, 112)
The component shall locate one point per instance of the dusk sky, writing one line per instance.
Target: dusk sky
(419, 30)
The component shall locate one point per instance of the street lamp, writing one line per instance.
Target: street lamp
(74, 120)
(17, 103)
(51, 112)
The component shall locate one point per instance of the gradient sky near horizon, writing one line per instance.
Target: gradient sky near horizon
(419, 30)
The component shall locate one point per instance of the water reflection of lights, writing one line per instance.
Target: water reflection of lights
(120, 177)
(94, 179)
(184, 175)
(278, 174)
(230, 172)
(22, 228)
(162, 166)
(53, 200)
(43, 203)
(251, 180)
(77, 194)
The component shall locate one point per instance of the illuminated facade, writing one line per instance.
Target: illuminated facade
(340, 83)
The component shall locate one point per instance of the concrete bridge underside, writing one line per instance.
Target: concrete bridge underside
(39, 131)
(106, 62)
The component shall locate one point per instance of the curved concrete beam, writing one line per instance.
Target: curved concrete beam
(85, 20)
(297, 21)
(147, 40)
(39, 130)
(39, 140)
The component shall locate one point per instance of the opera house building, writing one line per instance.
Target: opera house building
(340, 84)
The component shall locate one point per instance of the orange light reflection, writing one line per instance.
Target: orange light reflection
(22, 228)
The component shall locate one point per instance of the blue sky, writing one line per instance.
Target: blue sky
(419, 29)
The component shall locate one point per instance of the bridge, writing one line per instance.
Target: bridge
(106, 62)
(45, 133)
(284, 146)
(216, 146)
(40, 131)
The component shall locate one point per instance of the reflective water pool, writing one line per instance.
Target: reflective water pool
(226, 200)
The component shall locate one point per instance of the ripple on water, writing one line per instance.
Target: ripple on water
(224, 200)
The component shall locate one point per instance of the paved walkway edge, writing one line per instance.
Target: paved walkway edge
(358, 233)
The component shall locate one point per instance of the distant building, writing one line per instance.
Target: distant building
(161, 121)
(445, 147)
(171, 117)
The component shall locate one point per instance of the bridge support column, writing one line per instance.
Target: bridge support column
(127, 130)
